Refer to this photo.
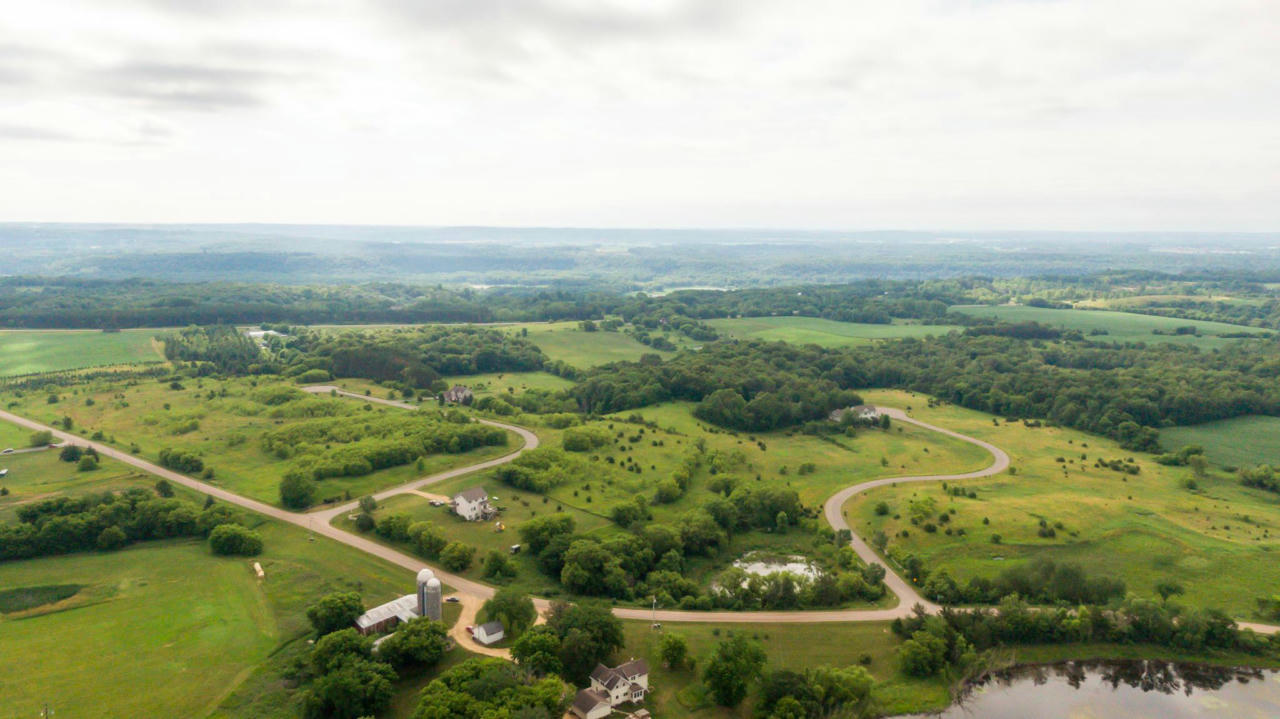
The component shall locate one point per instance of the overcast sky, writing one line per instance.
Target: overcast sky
(909, 114)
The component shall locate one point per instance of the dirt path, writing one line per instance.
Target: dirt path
(470, 609)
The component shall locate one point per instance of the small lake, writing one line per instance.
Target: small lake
(764, 565)
(1120, 689)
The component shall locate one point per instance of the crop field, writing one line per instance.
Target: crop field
(28, 352)
(223, 423)
(822, 332)
(1238, 442)
(1117, 326)
(1144, 528)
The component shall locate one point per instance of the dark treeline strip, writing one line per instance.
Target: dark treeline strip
(1126, 392)
(105, 521)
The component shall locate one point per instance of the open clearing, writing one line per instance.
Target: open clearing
(1118, 326)
(564, 341)
(1143, 528)
(36, 475)
(27, 352)
(1239, 442)
(825, 333)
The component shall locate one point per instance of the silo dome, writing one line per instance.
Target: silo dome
(425, 576)
(433, 583)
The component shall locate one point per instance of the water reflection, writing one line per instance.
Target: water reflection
(1141, 689)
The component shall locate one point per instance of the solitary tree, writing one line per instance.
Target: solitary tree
(674, 650)
(1168, 589)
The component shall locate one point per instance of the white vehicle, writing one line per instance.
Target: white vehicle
(8, 450)
(4, 473)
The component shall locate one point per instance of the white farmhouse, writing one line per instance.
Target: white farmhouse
(472, 504)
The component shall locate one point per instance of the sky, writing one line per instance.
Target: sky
(824, 114)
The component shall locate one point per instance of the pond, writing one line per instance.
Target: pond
(1142, 689)
(765, 564)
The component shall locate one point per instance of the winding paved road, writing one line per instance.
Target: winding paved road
(320, 523)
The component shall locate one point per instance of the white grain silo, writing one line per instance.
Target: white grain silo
(424, 576)
(433, 599)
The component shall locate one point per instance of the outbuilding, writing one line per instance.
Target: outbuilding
(489, 633)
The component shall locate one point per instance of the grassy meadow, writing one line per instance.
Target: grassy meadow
(821, 332)
(219, 637)
(836, 462)
(219, 420)
(14, 437)
(1118, 326)
(1239, 441)
(564, 341)
(31, 351)
(38, 475)
(1144, 528)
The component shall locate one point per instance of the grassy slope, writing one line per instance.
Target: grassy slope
(27, 352)
(1240, 441)
(1144, 528)
(826, 333)
(1120, 326)
(225, 439)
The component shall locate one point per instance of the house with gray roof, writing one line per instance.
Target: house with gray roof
(472, 504)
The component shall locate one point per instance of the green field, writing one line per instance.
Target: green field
(565, 342)
(36, 475)
(14, 437)
(1240, 441)
(153, 416)
(1142, 528)
(28, 352)
(825, 333)
(1119, 326)
(197, 631)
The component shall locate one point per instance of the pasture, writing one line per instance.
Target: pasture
(821, 332)
(31, 351)
(222, 422)
(13, 437)
(1108, 326)
(1238, 442)
(1210, 537)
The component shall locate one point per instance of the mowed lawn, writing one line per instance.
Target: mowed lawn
(822, 332)
(1239, 441)
(1142, 528)
(1119, 326)
(27, 352)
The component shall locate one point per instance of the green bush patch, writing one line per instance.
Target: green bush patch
(23, 598)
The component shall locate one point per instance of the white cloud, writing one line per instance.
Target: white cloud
(1089, 114)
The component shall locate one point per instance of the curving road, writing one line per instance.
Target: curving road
(319, 522)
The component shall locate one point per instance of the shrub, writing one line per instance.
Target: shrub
(233, 539)
(457, 556)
